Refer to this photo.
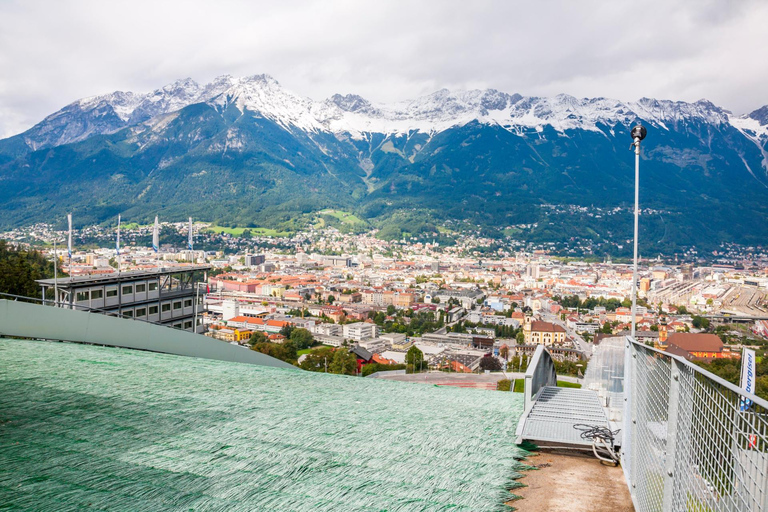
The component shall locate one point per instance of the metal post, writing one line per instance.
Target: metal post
(672, 414)
(197, 298)
(638, 134)
(637, 214)
(55, 276)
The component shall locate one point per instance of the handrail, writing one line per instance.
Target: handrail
(63, 305)
(711, 376)
(540, 373)
(691, 440)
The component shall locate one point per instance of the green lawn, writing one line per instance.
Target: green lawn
(344, 217)
(254, 231)
(308, 350)
(520, 385)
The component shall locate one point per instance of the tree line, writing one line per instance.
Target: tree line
(19, 268)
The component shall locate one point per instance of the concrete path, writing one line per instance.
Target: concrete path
(568, 481)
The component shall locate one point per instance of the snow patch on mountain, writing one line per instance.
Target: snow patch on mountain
(754, 126)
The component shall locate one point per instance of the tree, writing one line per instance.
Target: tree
(331, 298)
(606, 328)
(391, 310)
(435, 300)
(344, 362)
(258, 337)
(302, 338)
(20, 268)
(490, 363)
(504, 352)
(699, 322)
(286, 330)
(317, 360)
(414, 358)
(520, 338)
(283, 351)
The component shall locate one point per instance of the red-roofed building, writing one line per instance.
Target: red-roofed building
(699, 346)
(257, 324)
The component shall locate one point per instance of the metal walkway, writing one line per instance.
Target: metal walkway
(555, 412)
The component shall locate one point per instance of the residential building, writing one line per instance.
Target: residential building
(359, 331)
(537, 332)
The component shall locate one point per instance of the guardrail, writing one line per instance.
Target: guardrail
(691, 441)
(385, 373)
(63, 305)
(540, 373)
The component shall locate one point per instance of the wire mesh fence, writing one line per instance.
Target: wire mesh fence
(692, 441)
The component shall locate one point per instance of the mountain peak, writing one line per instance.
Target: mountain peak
(351, 102)
(760, 115)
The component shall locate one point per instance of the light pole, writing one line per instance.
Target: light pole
(638, 134)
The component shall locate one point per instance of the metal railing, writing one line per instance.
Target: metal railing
(540, 373)
(691, 441)
(73, 306)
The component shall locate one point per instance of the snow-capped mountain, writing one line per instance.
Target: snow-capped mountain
(356, 116)
(109, 113)
(246, 150)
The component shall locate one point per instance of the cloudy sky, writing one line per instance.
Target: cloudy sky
(52, 53)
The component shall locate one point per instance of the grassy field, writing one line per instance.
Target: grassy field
(520, 385)
(308, 350)
(344, 217)
(254, 231)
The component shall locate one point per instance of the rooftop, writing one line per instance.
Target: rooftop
(116, 429)
(122, 276)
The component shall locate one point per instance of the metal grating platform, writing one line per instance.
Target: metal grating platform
(557, 410)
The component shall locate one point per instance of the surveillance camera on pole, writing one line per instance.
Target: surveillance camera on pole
(638, 134)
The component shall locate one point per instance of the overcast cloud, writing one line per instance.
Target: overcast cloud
(52, 53)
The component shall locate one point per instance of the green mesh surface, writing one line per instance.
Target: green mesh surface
(91, 428)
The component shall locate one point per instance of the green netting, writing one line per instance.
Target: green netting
(97, 428)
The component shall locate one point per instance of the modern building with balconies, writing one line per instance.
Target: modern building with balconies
(166, 296)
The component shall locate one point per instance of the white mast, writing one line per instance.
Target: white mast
(156, 237)
(117, 244)
(55, 272)
(189, 243)
(69, 244)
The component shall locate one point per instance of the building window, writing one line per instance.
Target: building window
(177, 305)
(153, 286)
(141, 312)
(81, 296)
(177, 326)
(188, 325)
(111, 292)
(152, 310)
(97, 294)
(166, 308)
(188, 303)
(127, 290)
(128, 314)
(141, 288)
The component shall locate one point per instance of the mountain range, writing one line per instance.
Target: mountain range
(248, 152)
